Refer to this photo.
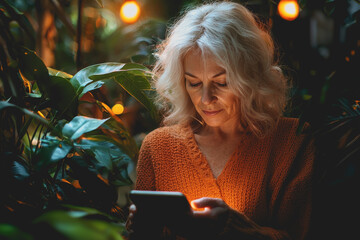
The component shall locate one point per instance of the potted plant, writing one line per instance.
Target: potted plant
(60, 170)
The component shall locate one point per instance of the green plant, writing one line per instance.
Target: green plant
(334, 114)
(59, 170)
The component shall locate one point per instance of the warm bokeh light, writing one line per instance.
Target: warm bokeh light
(130, 11)
(288, 9)
(118, 108)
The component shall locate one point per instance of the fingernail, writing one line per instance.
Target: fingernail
(193, 205)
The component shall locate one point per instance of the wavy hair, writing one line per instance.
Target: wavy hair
(240, 45)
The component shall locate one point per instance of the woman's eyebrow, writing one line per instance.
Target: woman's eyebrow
(216, 75)
(189, 74)
(219, 74)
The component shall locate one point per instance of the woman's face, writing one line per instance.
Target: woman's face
(206, 85)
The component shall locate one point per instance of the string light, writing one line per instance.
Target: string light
(288, 9)
(130, 11)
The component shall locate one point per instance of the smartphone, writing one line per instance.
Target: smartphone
(160, 203)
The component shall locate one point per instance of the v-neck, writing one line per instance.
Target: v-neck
(200, 161)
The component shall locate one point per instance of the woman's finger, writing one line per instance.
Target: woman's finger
(130, 219)
(132, 208)
(208, 202)
(128, 224)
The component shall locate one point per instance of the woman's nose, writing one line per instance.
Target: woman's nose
(208, 95)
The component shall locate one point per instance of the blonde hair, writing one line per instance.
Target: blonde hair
(231, 34)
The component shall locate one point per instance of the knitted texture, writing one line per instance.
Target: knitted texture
(266, 179)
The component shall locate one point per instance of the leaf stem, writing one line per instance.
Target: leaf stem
(30, 140)
(38, 142)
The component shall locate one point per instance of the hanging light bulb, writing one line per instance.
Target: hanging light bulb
(288, 9)
(130, 11)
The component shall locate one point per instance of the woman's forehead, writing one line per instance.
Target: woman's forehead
(197, 61)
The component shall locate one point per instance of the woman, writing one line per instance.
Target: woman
(225, 144)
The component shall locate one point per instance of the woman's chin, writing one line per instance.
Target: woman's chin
(213, 123)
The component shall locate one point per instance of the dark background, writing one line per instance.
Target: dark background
(319, 52)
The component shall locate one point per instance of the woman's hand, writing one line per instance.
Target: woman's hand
(211, 220)
(214, 210)
(206, 221)
(201, 224)
(216, 214)
(130, 221)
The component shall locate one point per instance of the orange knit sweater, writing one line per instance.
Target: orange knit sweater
(266, 179)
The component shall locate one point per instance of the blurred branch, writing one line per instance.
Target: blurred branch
(63, 17)
(100, 3)
(78, 35)
(4, 69)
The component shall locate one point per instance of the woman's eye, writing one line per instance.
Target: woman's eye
(194, 84)
(222, 84)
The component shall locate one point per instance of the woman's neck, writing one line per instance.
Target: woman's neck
(220, 132)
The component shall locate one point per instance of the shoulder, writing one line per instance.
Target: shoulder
(291, 145)
(288, 125)
(289, 129)
(166, 134)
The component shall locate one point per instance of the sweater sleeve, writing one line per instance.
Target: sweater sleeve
(238, 226)
(145, 171)
(291, 200)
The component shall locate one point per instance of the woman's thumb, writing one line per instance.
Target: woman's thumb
(206, 202)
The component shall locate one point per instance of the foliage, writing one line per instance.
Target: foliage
(333, 111)
(53, 159)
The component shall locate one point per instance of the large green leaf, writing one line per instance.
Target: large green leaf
(113, 131)
(80, 125)
(120, 174)
(32, 67)
(76, 228)
(20, 171)
(80, 212)
(134, 85)
(14, 170)
(51, 151)
(121, 137)
(81, 79)
(130, 68)
(111, 161)
(102, 150)
(11, 232)
(133, 78)
(62, 96)
(56, 86)
(91, 86)
(55, 72)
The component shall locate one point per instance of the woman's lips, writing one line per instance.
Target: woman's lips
(211, 113)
